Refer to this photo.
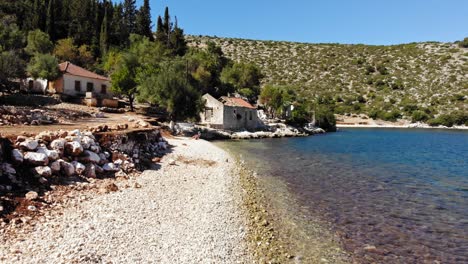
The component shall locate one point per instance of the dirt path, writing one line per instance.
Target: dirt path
(183, 213)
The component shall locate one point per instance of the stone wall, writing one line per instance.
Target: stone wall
(34, 162)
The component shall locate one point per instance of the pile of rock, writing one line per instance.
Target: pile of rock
(12, 115)
(70, 153)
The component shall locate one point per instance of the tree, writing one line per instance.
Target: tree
(39, 42)
(171, 35)
(124, 77)
(104, 34)
(65, 50)
(50, 21)
(44, 66)
(11, 67)
(172, 89)
(325, 119)
(242, 76)
(130, 12)
(143, 21)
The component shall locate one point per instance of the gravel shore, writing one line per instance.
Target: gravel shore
(187, 211)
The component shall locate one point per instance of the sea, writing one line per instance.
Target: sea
(387, 195)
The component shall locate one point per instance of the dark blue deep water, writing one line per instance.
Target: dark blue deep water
(404, 192)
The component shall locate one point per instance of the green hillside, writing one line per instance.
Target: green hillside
(384, 81)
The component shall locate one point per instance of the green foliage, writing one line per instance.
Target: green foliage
(124, 77)
(241, 76)
(325, 119)
(171, 88)
(276, 99)
(449, 120)
(463, 43)
(171, 35)
(39, 42)
(11, 66)
(143, 21)
(44, 66)
(419, 116)
(66, 50)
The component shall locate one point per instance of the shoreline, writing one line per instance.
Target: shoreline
(187, 210)
(403, 127)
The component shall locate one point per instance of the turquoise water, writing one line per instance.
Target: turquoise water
(392, 195)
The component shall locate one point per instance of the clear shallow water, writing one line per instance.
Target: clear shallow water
(393, 196)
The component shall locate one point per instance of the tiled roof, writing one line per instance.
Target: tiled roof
(70, 68)
(235, 101)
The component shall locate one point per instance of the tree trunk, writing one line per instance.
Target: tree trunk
(131, 99)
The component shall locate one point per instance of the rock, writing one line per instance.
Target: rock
(38, 159)
(43, 171)
(29, 144)
(87, 142)
(136, 185)
(44, 136)
(43, 180)
(75, 132)
(95, 149)
(73, 148)
(55, 166)
(90, 171)
(99, 169)
(67, 168)
(58, 145)
(172, 162)
(51, 154)
(32, 208)
(111, 187)
(31, 195)
(79, 167)
(17, 156)
(21, 139)
(90, 156)
(110, 167)
(7, 168)
(121, 174)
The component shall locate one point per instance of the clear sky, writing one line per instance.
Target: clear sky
(322, 21)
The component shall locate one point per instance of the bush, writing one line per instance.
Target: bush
(325, 119)
(391, 116)
(449, 120)
(419, 116)
(463, 43)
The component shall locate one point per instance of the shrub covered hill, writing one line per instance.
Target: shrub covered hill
(416, 81)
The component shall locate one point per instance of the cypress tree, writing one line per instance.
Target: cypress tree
(143, 21)
(130, 15)
(50, 22)
(160, 34)
(104, 35)
(167, 22)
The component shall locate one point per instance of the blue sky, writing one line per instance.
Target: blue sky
(378, 22)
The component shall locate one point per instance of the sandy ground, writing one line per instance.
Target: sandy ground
(189, 212)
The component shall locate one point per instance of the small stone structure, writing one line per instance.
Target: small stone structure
(229, 113)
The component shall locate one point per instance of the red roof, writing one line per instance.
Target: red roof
(70, 68)
(235, 101)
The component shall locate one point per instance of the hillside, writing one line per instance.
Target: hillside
(386, 82)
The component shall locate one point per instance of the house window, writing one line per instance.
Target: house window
(89, 87)
(250, 115)
(78, 86)
(31, 84)
(208, 113)
(103, 89)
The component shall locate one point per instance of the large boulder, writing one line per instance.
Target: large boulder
(79, 167)
(38, 159)
(89, 156)
(17, 156)
(74, 148)
(67, 168)
(90, 171)
(58, 145)
(87, 142)
(55, 166)
(110, 167)
(51, 154)
(29, 145)
(43, 171)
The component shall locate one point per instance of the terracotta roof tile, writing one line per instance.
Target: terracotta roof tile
(235, 101)
(70, 68)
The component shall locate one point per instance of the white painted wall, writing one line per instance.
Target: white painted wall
(39, 85)
(69, 85)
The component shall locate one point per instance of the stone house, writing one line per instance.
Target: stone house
(77, 81)
(229, 113)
